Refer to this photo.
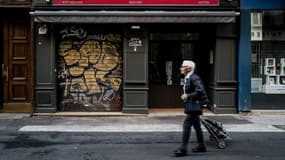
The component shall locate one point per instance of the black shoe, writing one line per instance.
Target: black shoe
(180, 152)
(199, 149)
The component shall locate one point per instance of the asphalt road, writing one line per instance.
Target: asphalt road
(254, 137)
(134, 146)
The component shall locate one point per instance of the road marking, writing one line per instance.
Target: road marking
(141, 128)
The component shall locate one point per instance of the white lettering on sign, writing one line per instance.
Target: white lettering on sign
(135, 42)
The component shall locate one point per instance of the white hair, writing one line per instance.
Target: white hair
(189, 64)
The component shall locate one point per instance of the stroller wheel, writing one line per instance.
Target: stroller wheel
(221, 144)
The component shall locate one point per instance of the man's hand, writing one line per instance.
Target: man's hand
(184, 97)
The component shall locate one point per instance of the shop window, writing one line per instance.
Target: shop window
(256, 19)
(268, 52)
(274, 18)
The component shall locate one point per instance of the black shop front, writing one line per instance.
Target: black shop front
(125, 57)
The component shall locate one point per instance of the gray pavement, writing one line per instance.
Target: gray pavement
(255, 135)
(255, 121)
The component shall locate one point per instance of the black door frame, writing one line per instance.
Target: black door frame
(1, 62)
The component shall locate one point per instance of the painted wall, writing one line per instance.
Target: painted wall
(262, 4)
(244, 63)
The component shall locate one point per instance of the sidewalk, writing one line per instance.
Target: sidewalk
(167, 120)
(255, 135)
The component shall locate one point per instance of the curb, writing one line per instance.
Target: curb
(267, 112)
(88, 114)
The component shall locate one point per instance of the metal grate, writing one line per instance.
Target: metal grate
(256, 59)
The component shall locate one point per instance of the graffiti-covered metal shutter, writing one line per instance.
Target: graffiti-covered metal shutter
(89, 69)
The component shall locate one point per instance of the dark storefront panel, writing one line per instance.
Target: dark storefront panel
(1, 62)
(167, 51)
(15, 3)
(223, 83)
(135, 96)
(89, 67)
(164, 74)
(83, 85)
(45, 78)
(212, 47)
(142, 40)
(264, 101)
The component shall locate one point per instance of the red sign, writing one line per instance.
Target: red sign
(138, 2)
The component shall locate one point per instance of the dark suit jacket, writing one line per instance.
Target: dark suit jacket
(195, 90)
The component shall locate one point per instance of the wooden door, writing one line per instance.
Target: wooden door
(17, 64)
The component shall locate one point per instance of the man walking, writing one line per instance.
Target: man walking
(193, 93)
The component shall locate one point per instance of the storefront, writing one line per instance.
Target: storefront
(263, 48)
(16, 56)
(125, 55)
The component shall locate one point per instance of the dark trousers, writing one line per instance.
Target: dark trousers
(192, 120)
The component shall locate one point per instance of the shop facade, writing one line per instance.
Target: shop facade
(124, 56)
(16, 56)
(261, 51)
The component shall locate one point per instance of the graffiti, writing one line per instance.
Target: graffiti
(90, 72)
(108, 37)
(73, 31)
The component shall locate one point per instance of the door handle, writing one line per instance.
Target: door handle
(5, 72)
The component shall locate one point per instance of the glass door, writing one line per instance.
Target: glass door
(165, 80)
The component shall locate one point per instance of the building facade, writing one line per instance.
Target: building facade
(125, 55)
(261, 55)
(16, 56)
(118, 56)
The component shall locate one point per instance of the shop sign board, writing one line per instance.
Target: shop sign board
(139, 2)
(135, 42)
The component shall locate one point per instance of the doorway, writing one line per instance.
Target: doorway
(16, 64)
(167, 51)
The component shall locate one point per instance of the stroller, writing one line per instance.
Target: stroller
(216, 131)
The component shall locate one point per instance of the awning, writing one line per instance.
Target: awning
(135, 16)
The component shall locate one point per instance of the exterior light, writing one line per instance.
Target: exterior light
(43, 29)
